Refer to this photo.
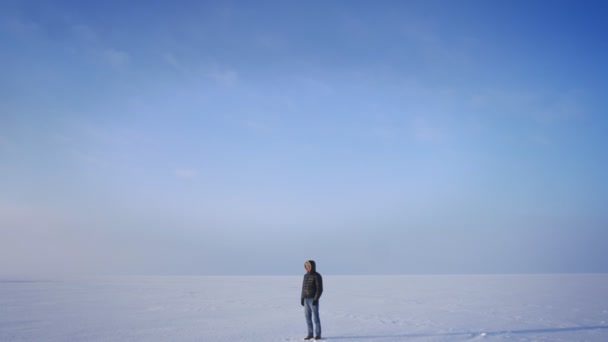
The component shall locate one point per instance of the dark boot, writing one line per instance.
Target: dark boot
(318, 337)
(309, 337)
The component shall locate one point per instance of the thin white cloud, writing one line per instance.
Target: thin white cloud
(560, 107)
(186, 173)
(504, 99)
(318, 85)
(116, 57)
(17, 25)
(383, 133)
(540, 140)
(269, 40)
(421, 33)
(426, 37)
(84, 33)
(170, 59)
(219, 74)
(224, 76)
(257, 126)
(89, 158)
(539, 106)
(89, 42)
(427, 132)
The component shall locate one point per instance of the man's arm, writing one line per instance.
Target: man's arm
(319, 281)
(302, 295)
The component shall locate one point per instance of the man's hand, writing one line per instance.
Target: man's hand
(302, 301)
(315, 302)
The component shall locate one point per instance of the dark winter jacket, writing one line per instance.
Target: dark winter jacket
(312, 286)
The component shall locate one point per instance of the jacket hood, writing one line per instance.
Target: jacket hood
(313, 265)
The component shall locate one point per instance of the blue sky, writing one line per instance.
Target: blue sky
(246, 137)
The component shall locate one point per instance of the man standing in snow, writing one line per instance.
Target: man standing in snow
(312, 288)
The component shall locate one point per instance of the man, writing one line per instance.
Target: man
(312, 288)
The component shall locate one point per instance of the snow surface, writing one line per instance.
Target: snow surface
(353, 308)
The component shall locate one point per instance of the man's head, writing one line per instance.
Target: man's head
(309, 265)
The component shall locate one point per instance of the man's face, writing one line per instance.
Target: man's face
(307, 267)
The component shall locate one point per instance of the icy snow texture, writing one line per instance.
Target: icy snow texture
(353, 308)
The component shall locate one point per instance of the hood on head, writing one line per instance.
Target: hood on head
(313, 266)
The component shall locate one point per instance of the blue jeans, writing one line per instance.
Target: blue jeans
(312, 313)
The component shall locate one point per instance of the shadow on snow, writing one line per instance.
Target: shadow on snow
(473, 334)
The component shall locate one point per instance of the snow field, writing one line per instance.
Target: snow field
(569, 307)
